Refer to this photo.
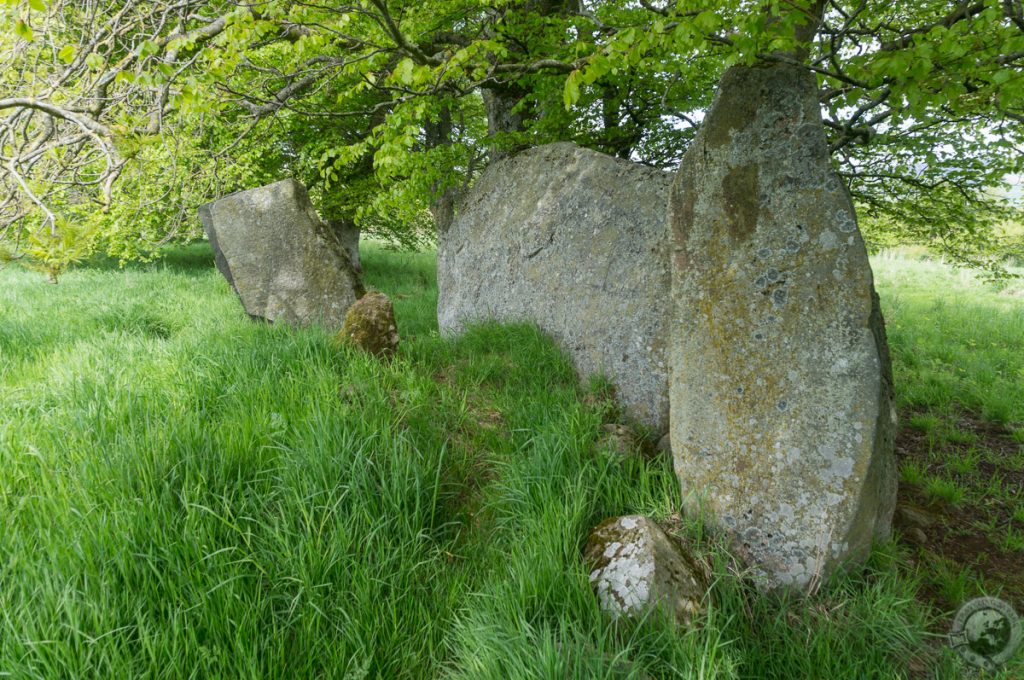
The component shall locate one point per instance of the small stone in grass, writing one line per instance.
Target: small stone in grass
(618, 439)
(634, 565)
(370, 325)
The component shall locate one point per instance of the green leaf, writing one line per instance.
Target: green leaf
(23, 30)
(1001, 76)
(706, 22)
(67, 53)
(403, 72)
(38, 5)
(94, 61)
(571, 92)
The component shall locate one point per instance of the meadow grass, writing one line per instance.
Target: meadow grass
(187, 493)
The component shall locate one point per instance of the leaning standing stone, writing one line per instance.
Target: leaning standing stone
(281, 259)
(634, 565)
(782, 420)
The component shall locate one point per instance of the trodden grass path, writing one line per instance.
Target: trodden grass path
(185, 493)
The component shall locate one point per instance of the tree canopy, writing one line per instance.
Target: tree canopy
(119, 117)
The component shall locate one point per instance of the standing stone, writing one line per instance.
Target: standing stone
(347, 232)
(781, 388)
(574, 241)
(281, 259)
(634, 565)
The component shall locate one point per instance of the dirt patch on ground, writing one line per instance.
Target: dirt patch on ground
(995, 437)
(954, 534)
(966, 537)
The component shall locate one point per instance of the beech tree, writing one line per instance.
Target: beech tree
(118, 117)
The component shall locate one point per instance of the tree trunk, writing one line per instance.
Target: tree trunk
(500, 99)
(347, 232)
(502, 119)
(812, 12)
(442, 206)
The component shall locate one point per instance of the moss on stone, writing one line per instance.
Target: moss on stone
(370, 325)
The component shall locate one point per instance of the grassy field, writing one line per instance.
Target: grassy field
(958, 353)
(185, 493)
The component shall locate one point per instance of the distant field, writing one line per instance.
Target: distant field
(187, 493)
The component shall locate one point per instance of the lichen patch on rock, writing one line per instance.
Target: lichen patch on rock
(370, 325)
(634, 565)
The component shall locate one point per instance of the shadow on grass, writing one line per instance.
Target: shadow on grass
(193, 258)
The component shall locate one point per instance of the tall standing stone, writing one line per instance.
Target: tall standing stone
(574, 241)
(283, 261)
(781, 389)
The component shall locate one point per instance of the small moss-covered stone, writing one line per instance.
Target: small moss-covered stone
(664, 445)
(618, 439)
(370, 325)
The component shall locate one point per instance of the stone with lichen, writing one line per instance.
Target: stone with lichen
(781, 388)
(283, 261)
(634, 565)
(574, 241)
(370, 325)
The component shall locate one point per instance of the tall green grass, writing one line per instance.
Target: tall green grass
(186, 493)
(957, 341)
